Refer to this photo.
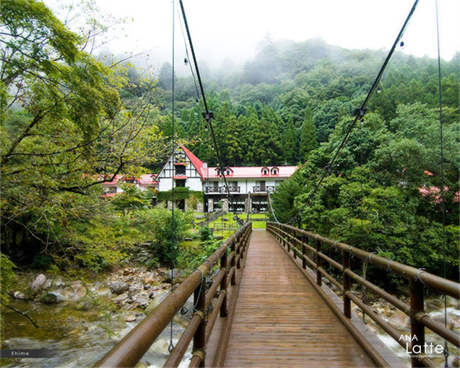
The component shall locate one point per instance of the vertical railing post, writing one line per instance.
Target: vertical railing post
(233, 262)
(288, 240)
(199, 339)
(318, 263)
(346, 284)
(304, 239)
(417, 329)
(223, 284)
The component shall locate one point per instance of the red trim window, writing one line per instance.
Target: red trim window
(265, 171)
(275, 171)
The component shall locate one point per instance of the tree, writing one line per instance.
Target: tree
(290, 143)
(63, 130)
(308, 140)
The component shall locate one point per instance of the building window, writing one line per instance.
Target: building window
(180, 183)
(264, 171)
(180, 170)
(275, 171)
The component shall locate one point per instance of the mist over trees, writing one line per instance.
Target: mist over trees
(70, 120)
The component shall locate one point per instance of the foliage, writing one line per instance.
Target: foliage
(7, 277)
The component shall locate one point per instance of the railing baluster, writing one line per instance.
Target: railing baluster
(304, 239)
(199, 340)
(318, 263)
(417, 329)
(233, 262)
(223, 284)
(346, 284)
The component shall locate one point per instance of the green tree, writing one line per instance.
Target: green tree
(308, 140)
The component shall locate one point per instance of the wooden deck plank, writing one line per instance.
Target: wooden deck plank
(280, 320)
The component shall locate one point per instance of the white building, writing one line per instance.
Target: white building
(249, 186)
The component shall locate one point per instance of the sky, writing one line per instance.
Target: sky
(234, 29)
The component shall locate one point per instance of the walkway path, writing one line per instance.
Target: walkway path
(280, 320)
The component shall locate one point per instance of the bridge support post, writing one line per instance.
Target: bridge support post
(346, 285)
(319, 280)
(233, 263)
(417, 329)
(304, 240)
(199, 339)
(223, 284)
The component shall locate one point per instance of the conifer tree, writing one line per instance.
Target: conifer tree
(308, 140)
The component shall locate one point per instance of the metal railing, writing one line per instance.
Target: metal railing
(222, 189)
(263, 189)
(134, 345)
(304, 245)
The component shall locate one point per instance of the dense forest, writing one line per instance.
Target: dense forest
(71, 120)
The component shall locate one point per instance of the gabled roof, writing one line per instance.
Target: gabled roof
(195, 161)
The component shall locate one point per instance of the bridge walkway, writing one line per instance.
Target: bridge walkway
(280, 320)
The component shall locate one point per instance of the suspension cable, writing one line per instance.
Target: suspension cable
(189, 62)
(173, 150)
(207, 114)
(443, 204)
(361, 111)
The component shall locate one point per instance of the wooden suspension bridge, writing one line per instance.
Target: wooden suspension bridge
(261, 301)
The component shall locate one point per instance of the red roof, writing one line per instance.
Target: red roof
(254, 172)
(195, 161)
(145, 179)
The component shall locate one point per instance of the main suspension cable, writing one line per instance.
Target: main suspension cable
(443, 203)
(361, 111)
(207, 114)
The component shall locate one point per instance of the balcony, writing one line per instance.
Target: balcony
(221, 189)
(263, 188)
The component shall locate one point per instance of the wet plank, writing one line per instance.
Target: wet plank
(280, 320)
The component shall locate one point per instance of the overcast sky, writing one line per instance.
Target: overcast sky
(234, 28)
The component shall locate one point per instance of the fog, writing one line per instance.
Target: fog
(230, 32)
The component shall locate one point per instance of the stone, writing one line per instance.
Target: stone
(118, 287)
(58, 283)
(103, 292)
(130, 318)
(19, 295)
(38, 283)
(52, 297)
(147, 286)
(156, 301)
(143, 302)
(84, 306)
(121, 298)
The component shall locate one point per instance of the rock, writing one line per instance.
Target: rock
(84, 306)
(58, 283)
(121, 298)
(38, 283)
(118, 287)
(19, 295)
(135, 288)
(52, 298)
(47, 284)
(103, 292)
(155, 302)
(130, 318)
(147, 286)
(79, 291)
(143, 302)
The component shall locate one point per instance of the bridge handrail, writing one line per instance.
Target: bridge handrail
(128, 351)
(292, 237)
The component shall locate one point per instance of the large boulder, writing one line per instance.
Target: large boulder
(118, 287)
(52, 297)
(38, 283)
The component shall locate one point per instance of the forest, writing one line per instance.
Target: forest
(72, 119)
